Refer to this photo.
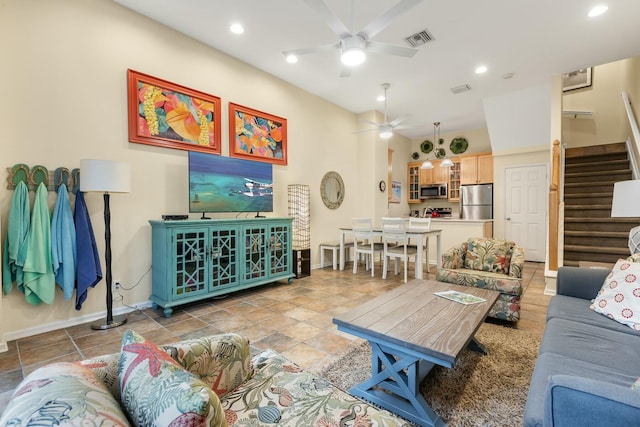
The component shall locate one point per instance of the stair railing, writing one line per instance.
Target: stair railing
(633, 147)
(554, 206)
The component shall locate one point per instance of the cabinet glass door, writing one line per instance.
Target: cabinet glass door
(255, 253)
(191, 261)
(224, 257)
(279, 250)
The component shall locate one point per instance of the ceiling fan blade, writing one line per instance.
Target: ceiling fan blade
(399, 120)
(366, 130)
(329, 17)
(370, 122)
(384, 20)
(391, 49)
(345, 71)
(317, 49)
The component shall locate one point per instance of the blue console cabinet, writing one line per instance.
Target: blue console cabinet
(197, 259)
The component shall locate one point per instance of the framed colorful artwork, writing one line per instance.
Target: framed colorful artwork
(396, 192)
(258, 136)
(169, 115)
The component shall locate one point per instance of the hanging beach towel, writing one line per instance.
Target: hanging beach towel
(63, 243)
(15, 244)
(39, 281)
(89, 272)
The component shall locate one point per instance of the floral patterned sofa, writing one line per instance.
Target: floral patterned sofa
(209, 381)
(488, 263)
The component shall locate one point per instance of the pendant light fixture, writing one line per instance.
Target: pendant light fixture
(446, 162)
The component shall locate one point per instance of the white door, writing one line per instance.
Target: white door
(526, 209)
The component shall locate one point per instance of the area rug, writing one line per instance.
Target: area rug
(479, 390)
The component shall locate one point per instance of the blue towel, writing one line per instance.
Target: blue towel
(39, 282)
(15, 244)
(89, 272)
(63, 243)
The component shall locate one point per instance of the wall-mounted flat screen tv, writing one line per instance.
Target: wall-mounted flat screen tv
(224, 184)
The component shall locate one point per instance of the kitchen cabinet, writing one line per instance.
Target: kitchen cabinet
(439, 175)
(199, 259)
(454, 180)
(476, 169)
(413, 182)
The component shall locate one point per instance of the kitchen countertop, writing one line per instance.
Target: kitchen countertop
(461, 220)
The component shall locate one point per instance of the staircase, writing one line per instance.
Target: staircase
(590, 234)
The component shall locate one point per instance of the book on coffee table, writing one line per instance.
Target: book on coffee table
(460, 297)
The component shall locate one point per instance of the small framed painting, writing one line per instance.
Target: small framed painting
(255, 135)
(396, 191)
(576, 79)
(169, 115)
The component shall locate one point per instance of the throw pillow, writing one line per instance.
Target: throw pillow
(619, 297)
(62, 394)
(156, 391)
(485, 254)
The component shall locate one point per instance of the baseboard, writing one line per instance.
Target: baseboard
(3, 347)
(28, 332)
(550, 277)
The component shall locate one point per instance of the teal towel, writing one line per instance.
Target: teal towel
(63, 243)
(39, 282)
(15, 244)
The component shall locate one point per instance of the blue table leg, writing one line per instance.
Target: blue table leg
(402, 394)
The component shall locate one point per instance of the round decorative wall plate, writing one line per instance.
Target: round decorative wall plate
(426, 146)
(415, 155)
(440, 153)
(459, 145)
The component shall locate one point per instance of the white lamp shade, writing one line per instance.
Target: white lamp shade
(105, 176)
(446, 163)
(626, 199)
(426, 165)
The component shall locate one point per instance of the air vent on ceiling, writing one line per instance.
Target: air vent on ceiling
(459, 89)
(418, 39)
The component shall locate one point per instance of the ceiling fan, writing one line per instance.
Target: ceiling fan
(385, 129)
(354, 46)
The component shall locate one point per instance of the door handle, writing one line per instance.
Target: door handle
(508, 219)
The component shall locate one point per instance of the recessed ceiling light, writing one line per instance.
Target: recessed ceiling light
(598, 10)
(291, 58)
(481, 69)
(380, 98)
(236, 28)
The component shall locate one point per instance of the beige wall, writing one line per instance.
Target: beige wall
(608, 122)
(64, 98)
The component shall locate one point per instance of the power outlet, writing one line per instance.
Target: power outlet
(116, 284)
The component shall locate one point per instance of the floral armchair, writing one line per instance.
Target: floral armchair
(488, 263)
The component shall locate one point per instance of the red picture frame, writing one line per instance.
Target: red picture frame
(170, 115)
(256, 135)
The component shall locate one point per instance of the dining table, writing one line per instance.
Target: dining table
(420, 235)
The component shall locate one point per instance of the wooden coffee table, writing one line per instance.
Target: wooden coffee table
(420, 330)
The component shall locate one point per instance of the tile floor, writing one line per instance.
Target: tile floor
(295, 320)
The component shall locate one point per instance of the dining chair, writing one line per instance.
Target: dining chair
(396, 245)
(421, 224)
(364, 243)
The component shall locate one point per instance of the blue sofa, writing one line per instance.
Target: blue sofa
(587, 363)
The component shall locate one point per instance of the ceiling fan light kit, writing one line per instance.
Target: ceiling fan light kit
(386, 132)
(353, 50)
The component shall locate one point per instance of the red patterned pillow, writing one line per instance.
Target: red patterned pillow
(619, 297)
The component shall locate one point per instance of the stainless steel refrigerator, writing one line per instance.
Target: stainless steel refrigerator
(476, 201)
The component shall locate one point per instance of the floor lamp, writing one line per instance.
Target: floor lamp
(626, 203)
(106, 176)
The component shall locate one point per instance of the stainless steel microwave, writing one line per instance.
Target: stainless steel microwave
(433, 191)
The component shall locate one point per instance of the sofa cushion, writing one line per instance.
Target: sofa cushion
(222, 362)
(156, 391)
(481, 279)
(577, 310)
(548, 364)
(619, 297)
(280, 393)
(487, 254)
(617, 350)
(62, 394)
